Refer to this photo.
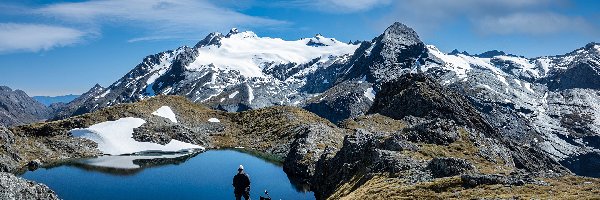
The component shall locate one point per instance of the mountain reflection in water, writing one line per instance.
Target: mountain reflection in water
(191, 175)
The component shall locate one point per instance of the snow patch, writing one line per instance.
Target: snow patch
(166, 112)
(233, 94)
(116, 138)
(214, 120)
(370, 93)
(250, 94)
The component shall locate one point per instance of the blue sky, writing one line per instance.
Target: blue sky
(64, 47)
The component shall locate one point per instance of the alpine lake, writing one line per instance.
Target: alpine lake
(199, 175)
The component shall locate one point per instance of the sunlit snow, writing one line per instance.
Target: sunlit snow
(166, 112)
(116, 138)
(246, 52)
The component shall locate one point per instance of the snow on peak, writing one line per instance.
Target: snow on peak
(319, 40)
(116, 138)
(455, 63)
(166, 112)
(249, 54)
(233, 31)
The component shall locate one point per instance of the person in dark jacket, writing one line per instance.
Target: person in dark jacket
(241, 184)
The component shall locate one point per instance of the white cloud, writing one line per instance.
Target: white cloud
(160, 19)
(337, 6)
(532, 23)
(352, 5)
(35, 37)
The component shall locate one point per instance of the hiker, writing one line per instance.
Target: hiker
(241, 184)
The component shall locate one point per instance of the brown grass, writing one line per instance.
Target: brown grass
(567, 187)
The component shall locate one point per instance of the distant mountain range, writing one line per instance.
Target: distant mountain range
(17, 108)
(48, 100)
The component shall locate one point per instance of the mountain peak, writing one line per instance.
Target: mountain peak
(398, 33)
(593, 45)
(213, 38)
(456, 52)
(5, 88)
(233, 31)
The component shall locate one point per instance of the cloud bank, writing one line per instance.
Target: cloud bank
(159, 19)
(16, 37)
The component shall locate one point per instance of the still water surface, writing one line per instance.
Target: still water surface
(206, 175)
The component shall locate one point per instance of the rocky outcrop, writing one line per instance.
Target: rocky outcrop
(310, 142)
(444, 167)
(363, 155)
(17, 108)
(415, 94)
(9, 158)
(343, 101)
(16, 188)
(161, 131)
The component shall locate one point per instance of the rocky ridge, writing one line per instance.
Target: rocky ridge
(13, 188)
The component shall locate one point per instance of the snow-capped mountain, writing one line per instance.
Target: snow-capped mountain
(552, 102)
(233, 72)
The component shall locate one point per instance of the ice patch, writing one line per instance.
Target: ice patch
(116, 138)
(325, 81)
(105, 93)
(233, 94)
(214, 120)
(370, 94)
(250, 94)
(166, 112)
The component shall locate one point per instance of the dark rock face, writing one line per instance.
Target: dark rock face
(17, 108)
(343, 101)
(444, 167)
(9, 157)
(310, 143)
(584, 74)
(419, 96)
(16, 188)
(436, 131)
(363, 154)
(161, 131)
(584, 165)
(390, 55)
